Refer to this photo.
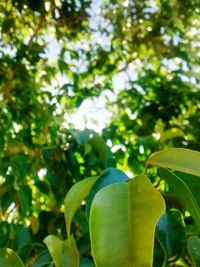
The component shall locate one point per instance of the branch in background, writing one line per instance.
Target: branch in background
(40, 24)
(14, 149)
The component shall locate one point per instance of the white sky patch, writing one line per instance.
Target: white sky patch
(119, 81)
(11, 211)
(109, 143)
(92, 114)
(17, 127)
(53, 48)
(42, 173)
(117, 147)
(129, 174)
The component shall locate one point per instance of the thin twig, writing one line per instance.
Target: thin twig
(40, 24)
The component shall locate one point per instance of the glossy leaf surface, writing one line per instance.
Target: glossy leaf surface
(109, 176)
(193, 247)
(160, 255)
(74, 198)
(9, 258)
(171, 233)
(126, 70)
(179, 159)
(64, 253)
(122, 223)
(183, 193)
(192, 181)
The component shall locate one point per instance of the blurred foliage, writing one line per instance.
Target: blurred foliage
(140, 57)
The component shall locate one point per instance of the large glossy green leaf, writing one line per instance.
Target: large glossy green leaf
(64, 253)
(122, 223)
(160, 255)
(193, 246)
(74, 198)
(171, 233)
(183, 193)
(109, 176)
(9, 258)
(193, 184)
(179, 159)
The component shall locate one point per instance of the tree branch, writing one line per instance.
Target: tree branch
(39, 26)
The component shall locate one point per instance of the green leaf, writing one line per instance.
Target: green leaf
(87, 148)
(64, 253)
(43, 187)
(160, 255)
(74, 198)
(171, 133)
(179, 159)
(42, 259)
(122, 223)
(109, 176)
(7, 199)
(193, 184)
(81, 137)
(86, 263)
(9, 258)
(171, 233)
(4, 233)
(22, 237)
(25, 198)
(50, 152)
(193, 246)
(183, 193)
(99, 146)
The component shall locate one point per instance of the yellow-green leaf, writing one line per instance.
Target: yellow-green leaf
(183, 193)
(171, 133)
(8, 258)
(109, 176)
(180, 159)
(74, 198)
(64, 253)
(122, 223)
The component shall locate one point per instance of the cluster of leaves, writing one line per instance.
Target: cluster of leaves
(54, 55)
(126, 210)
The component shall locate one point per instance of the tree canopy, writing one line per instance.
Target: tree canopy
(139, 59)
